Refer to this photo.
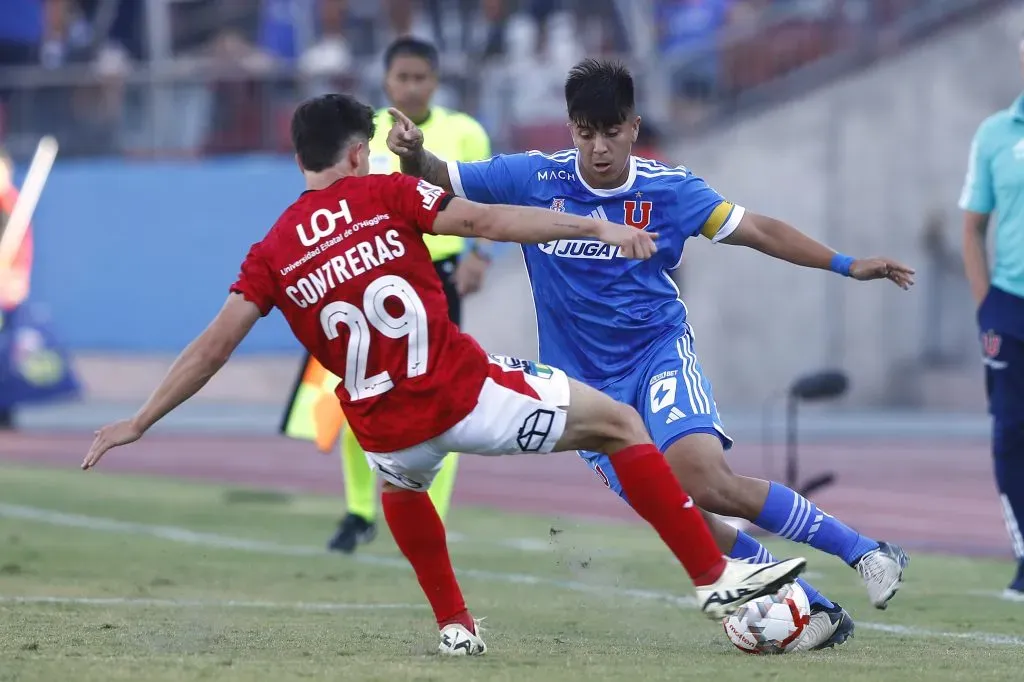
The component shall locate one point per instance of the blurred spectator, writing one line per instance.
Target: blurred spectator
(285, 27)
(400, 16)
(465, 15)
(67, 36)
(688, 34)
(85, 116)
(329, 55)
(21, 31)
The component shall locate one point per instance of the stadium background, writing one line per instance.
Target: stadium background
(849, 118)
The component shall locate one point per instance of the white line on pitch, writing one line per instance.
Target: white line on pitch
(186, 536)
(205, 603)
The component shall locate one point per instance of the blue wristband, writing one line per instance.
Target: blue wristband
(841, 264)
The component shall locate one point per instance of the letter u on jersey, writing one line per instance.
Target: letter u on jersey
(638, 214)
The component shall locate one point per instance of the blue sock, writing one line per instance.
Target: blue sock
(747, 547)
(798, 519)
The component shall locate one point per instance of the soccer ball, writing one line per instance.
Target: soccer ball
(770, 625)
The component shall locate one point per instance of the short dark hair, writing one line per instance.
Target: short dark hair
(411, 47)
(599, 93)
(323, 126)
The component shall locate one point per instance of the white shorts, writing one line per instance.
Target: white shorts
(521, 410)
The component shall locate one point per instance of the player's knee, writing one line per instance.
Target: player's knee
(625, 427)
(700, 465)
(616, 427)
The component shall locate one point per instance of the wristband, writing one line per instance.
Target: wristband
(841, 264)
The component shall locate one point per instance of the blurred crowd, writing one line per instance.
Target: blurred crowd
(215, 76)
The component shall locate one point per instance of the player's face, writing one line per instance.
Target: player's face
(410, 84)
(604, 152)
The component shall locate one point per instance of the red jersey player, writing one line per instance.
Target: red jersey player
(347, 267)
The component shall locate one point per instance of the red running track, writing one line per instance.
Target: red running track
(936, 495)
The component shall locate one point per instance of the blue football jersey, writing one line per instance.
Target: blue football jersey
(598, 314)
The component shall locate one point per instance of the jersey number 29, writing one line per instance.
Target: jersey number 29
(412, 323)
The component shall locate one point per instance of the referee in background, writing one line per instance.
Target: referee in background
(995, 183)
(411, 77)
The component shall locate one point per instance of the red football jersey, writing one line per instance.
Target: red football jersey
(348, 268)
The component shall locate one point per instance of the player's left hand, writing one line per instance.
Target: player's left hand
(405, 139)
(111, 436)
(864, 269)
(469, 274)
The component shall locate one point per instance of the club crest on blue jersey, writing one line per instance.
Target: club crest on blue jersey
(637, 213)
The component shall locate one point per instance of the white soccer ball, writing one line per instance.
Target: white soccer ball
(770, 625)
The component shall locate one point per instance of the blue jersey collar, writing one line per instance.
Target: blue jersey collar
(624, 187)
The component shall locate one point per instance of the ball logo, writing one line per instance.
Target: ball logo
(323, 223)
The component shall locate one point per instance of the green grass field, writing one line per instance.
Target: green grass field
(107, 577)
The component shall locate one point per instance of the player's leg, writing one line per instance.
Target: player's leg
(444, 484)
(443, 487)
(694, 444)
(673, 404)
(829, 624)
(420, 535)
(599, 424)
(1004, 381)
(1008, 452)
(358, 526)
(744, 547)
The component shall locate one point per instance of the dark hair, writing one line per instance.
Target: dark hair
(411, 47)
(599, 93)
(323, 126)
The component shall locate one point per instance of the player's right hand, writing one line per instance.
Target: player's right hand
(632, 243)
(404, 139)
(111, 436)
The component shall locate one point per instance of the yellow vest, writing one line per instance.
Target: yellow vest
(452, 136)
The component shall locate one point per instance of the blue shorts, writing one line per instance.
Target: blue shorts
(673, 396)
(1001, 322)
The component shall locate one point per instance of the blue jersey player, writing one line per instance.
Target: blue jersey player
(621, 327)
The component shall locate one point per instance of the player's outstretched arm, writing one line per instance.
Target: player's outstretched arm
(196, 365)
(504, 223)
(783, 241)
(405, 140)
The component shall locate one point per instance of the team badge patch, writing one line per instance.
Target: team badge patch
(558, 204)
(990, 344)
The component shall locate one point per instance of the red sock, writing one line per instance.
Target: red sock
(653, 492)
(420, 535)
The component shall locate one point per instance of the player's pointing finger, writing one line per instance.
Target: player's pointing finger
(401, 118)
